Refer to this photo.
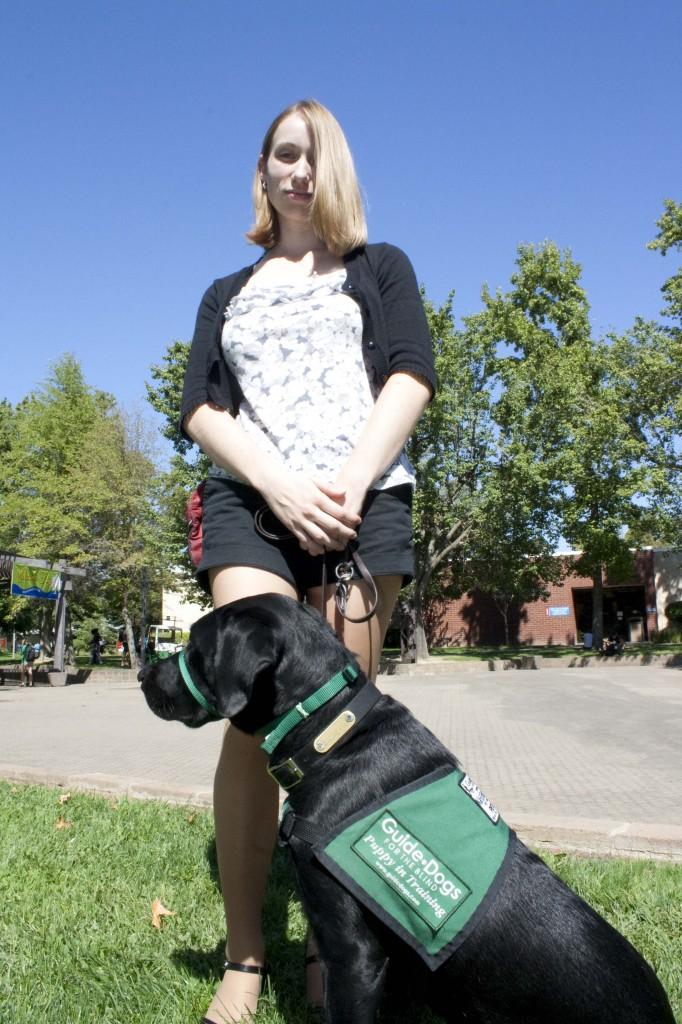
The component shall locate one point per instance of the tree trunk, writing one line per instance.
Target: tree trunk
(421, 645)
(408, 646)
(597, 608)
(46, 628)
(130, 635)
(505, 616)
(503, 604)
(144, 592)
(69, 649)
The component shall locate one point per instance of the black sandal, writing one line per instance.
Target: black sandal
(232, 965)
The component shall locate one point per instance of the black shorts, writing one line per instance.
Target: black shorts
(230, 537)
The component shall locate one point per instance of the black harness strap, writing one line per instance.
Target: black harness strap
(300, 828)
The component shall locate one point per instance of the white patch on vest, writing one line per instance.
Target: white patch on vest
(472, 790)
(408, 866)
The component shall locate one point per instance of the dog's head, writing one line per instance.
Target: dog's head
(250, 660)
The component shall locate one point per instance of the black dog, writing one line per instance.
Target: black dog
(538, 954)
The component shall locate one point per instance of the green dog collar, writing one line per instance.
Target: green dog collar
(280, 727)
(191, 686)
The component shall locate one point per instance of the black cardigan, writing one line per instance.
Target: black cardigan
(395, 333)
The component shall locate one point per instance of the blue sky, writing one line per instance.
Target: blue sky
(130, 131)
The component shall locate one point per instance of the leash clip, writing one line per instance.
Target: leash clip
(344, 572)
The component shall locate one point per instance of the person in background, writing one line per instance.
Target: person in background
(96, 644)
(27, 654)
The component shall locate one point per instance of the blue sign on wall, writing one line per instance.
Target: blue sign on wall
(561, 611)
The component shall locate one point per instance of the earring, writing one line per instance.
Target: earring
(264, 184)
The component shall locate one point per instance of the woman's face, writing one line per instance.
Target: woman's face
(289, 171)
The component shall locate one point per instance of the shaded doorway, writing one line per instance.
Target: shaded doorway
(624, 612)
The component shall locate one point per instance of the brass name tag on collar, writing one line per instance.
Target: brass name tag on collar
(334, 731)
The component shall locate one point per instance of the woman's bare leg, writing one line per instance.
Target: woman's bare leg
(245, 802)
(365, 640)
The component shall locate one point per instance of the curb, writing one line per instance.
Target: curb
(595, 837)
(109, 785)
(601, 837)
(526, 662)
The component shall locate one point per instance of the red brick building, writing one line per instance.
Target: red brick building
(633, 608)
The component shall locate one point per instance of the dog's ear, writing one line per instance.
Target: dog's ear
(245, 658)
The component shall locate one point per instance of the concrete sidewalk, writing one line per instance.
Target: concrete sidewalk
(587, 759)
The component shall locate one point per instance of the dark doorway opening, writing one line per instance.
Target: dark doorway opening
(624, 612)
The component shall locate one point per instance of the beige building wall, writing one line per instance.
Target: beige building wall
(668, 577)
(174, 606)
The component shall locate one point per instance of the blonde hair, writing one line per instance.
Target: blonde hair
(336, 213)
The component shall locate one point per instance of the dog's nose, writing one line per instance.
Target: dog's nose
(142, 673)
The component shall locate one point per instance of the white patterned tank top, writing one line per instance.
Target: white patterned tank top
(296, 350)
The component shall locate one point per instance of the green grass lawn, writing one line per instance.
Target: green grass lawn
(77, 945)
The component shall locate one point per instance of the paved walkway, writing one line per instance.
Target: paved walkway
(581, 758)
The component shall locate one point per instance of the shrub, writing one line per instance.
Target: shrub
(672, 634)
(673, 611)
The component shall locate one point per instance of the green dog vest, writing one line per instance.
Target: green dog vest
(427, 860)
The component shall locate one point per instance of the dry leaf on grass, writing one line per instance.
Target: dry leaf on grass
(159, 911)
(64, 798)
(62, 823)
(191, 818)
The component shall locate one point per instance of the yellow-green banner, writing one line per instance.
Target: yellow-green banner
(30, 581)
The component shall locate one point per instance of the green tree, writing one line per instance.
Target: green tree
(542, 327)
(536, 337)
(129, 548)
(9, 609)
(563, 424)
(650, 375)
(6, 430)
(647, 377)
(451, 448)
(188, 466)
(670, 237)
(608, 483)
(78, 488)
(17, 614)
(45, 513)
(579, 422)
(511, 556)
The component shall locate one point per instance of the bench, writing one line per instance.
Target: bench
(12, 670)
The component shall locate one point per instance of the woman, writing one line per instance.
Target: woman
(307, 373)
